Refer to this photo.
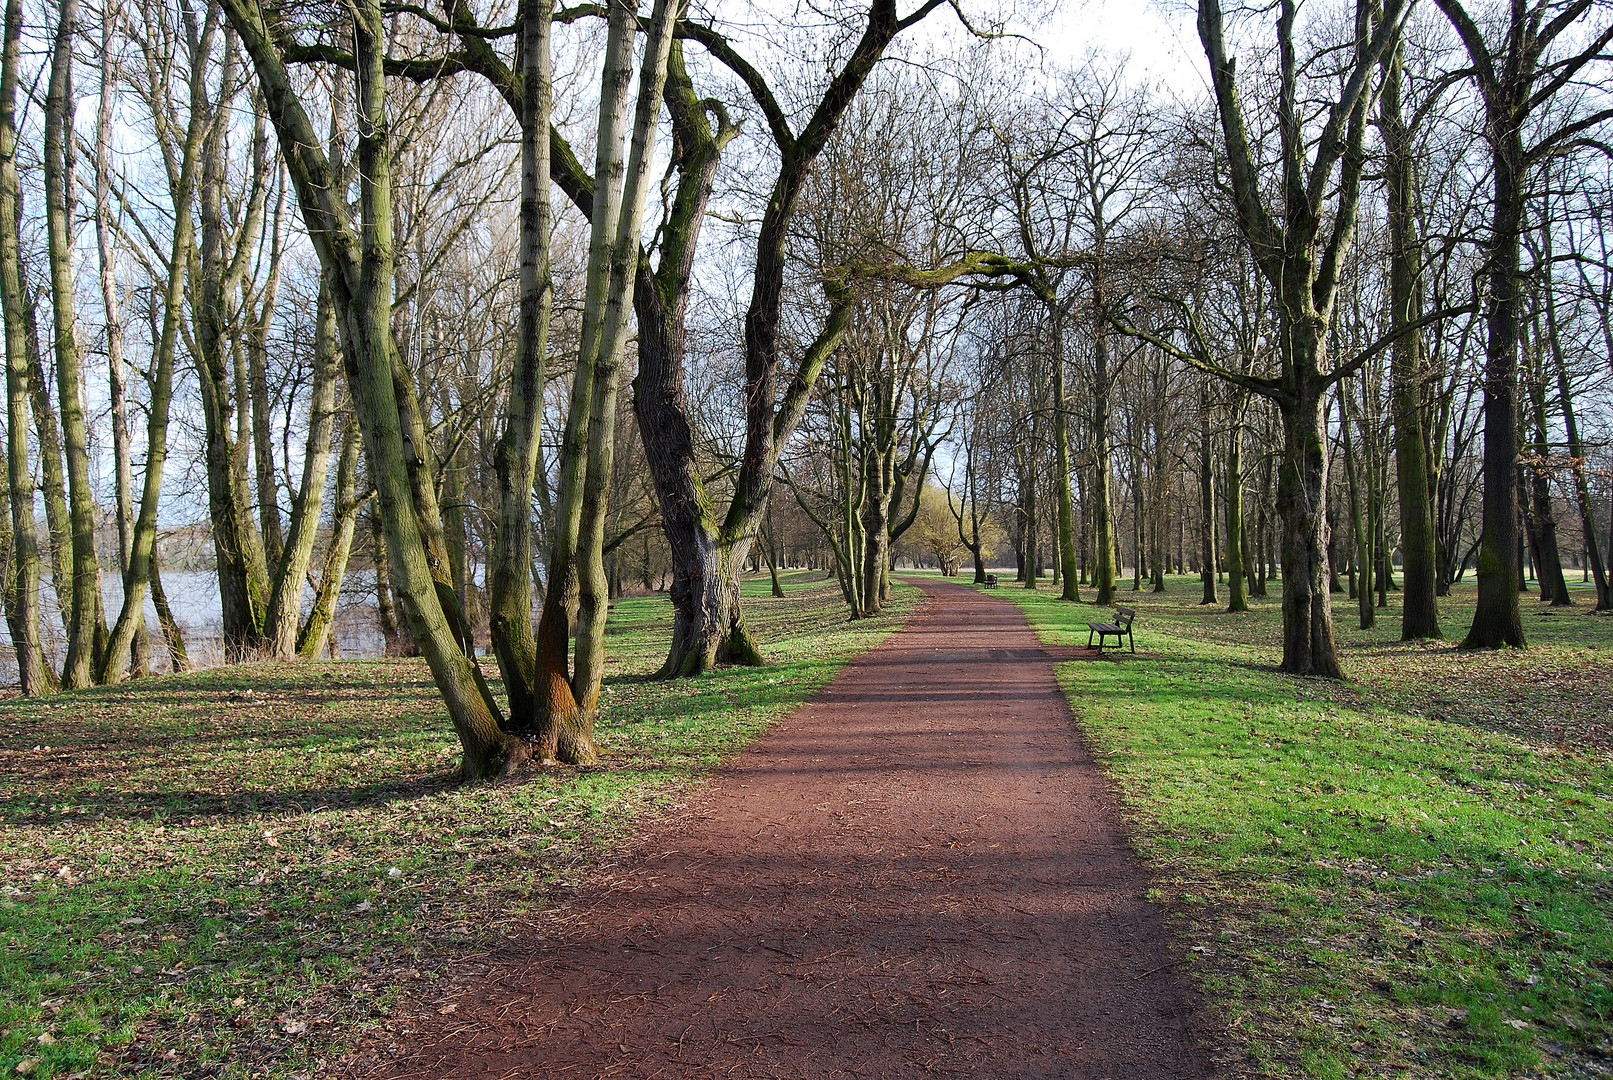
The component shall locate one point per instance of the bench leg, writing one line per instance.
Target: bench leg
(1131, 639)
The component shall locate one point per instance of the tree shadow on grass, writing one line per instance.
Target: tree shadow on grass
(182, 803)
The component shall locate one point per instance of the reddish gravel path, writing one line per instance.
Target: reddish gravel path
(918, 872)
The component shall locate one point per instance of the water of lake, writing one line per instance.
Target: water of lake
(193, 595)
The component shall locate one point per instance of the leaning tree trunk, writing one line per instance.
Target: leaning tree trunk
(316, 629)
(361, 271)
(284, 612)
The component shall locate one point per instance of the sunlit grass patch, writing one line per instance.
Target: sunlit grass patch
(1407, 875)
(230, 873)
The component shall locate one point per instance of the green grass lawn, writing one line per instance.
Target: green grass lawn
(1406, 875)
(232, 873)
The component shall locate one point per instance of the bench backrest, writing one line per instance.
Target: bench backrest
(1123, 617)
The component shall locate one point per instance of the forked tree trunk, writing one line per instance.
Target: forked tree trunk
(707, 546)
(567, 705)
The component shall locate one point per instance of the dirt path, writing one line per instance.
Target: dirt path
(918, 872)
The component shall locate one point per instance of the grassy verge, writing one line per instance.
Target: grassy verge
(232, 873)
(1407, 875)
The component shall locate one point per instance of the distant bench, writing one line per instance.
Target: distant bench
(1119, 629)
(991, 581)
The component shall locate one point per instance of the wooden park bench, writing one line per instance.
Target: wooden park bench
(1120, 628)
(991, 581)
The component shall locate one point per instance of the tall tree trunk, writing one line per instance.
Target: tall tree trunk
(566, 708)
(1496, 619)
(22, 606)
(1207, 542)
(1419, 615)
(367, 347)
(84, 619)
